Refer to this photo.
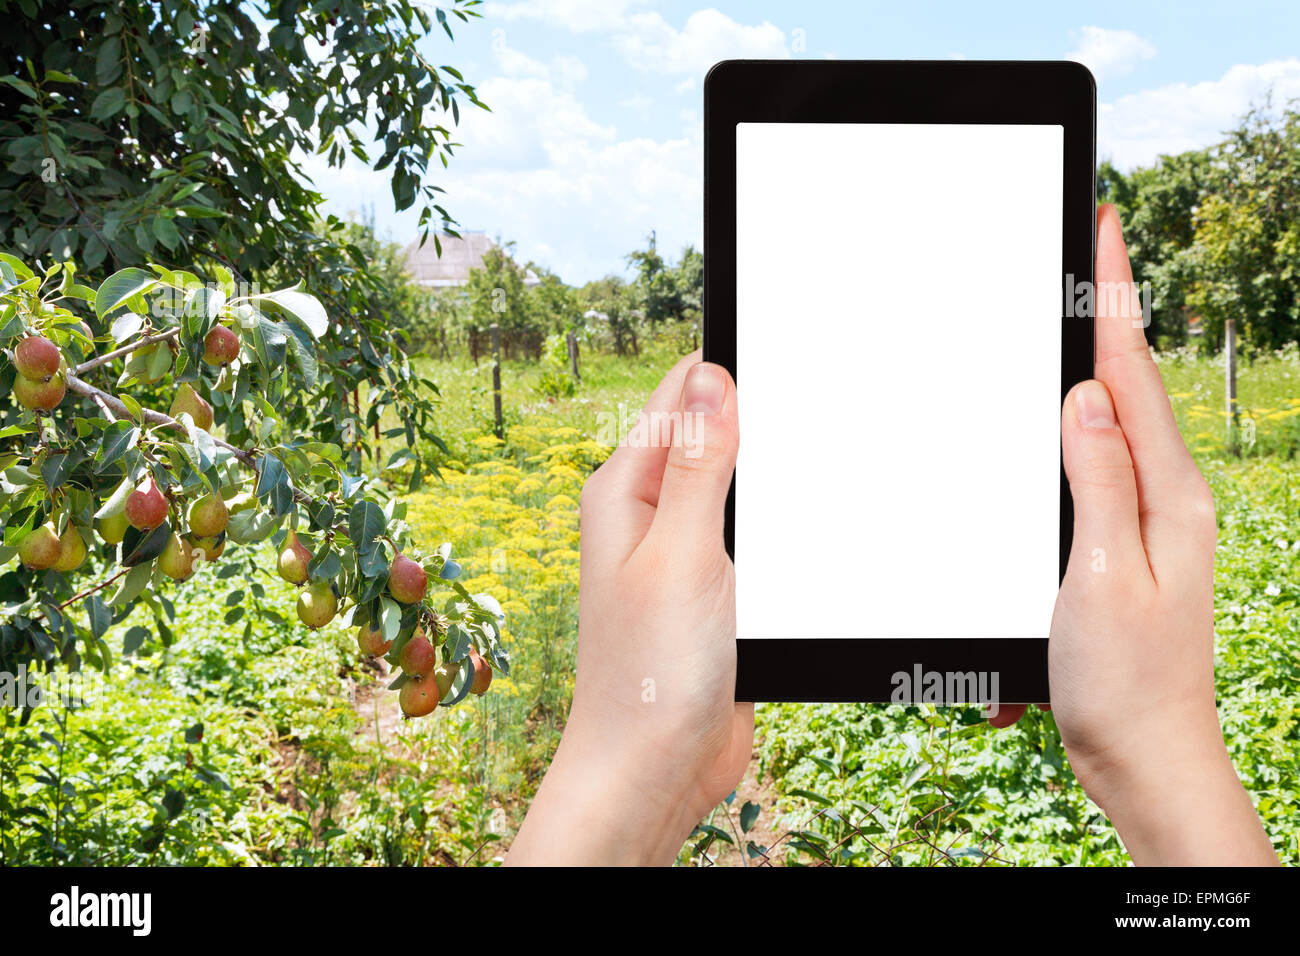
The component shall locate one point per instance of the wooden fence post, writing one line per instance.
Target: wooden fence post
(496, 379)
(572, 340)
(1230, 385)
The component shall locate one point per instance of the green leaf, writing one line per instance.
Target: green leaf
(298, 305)
(120, 287)
(108, 103)
(366, 522)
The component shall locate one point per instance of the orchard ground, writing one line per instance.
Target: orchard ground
(247, 740)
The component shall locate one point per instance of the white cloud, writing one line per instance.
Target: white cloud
(648, 42)
(1135, 129)
(539, 170)
(1110, 52)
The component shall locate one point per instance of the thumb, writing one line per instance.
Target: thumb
(1102, 480)
(697, 475)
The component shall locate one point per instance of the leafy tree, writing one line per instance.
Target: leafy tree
(655, 291)
(608, 309)
(172, 136)
(237, 458)
(1157, 205)
(1245, 255)
(1216, 233)
(497, 295)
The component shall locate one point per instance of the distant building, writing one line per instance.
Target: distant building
(452, 268)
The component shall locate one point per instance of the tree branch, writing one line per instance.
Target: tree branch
(104, 359)
(152, 417)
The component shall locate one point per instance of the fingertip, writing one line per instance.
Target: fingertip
(1007, 714)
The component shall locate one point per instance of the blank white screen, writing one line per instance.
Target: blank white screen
(898, 343)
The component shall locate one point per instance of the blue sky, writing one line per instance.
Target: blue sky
(595, 136)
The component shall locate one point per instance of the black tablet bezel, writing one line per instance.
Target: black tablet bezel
(894, 91)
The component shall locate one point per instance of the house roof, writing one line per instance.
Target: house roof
(459, 256)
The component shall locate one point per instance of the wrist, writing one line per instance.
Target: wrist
(604, 806)
(1178, 802)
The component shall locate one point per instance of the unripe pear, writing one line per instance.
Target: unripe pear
(188, 400)
(146, 507)
(177, 558)
(445, 674)
(72, 550)
(143, 360)
(220, 346)
(41, 548)
(241, 502)
(419, 697)
(208, 516)
(370, 639)
(407, 581)
(418, 656)
(112, 528)
(36, 357)
(38, 395)
(211, 546)
(317, 604)
(482, 673)
(293, 560)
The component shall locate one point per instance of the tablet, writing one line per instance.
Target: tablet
(892, 256)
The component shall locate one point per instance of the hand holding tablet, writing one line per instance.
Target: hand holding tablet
(655, 737)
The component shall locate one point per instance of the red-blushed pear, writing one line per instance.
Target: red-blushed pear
(293, 560)
(418, 656)
(407, 581)
(72, 550)
(419, 697)
(208, 516)
(220, 346)
(36, 357)
(38, 395)
(445, 674)
(317, 604)
(177, 558)
(482, 679)
(188, 400)
(112, 527)
(370, 639)
(41, 548)
(146, 507)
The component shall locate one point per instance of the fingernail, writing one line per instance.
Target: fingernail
(1093, 407)
(705, 388)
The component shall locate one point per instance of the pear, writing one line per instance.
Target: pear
(177, 558)
(370, 639)
(482, 673)
(209, 548)
(41, 548)
(146, 507)
(241, 502)
(293, 560)
(36, 357)
(407, 581)
(418, 656)
(317, 604)
(208, 516)
(72, 550)
(220, 346)
(445, 674)
(112, 528)
(419, 697)
(38, 395)
(145, 361)
(188, 400)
